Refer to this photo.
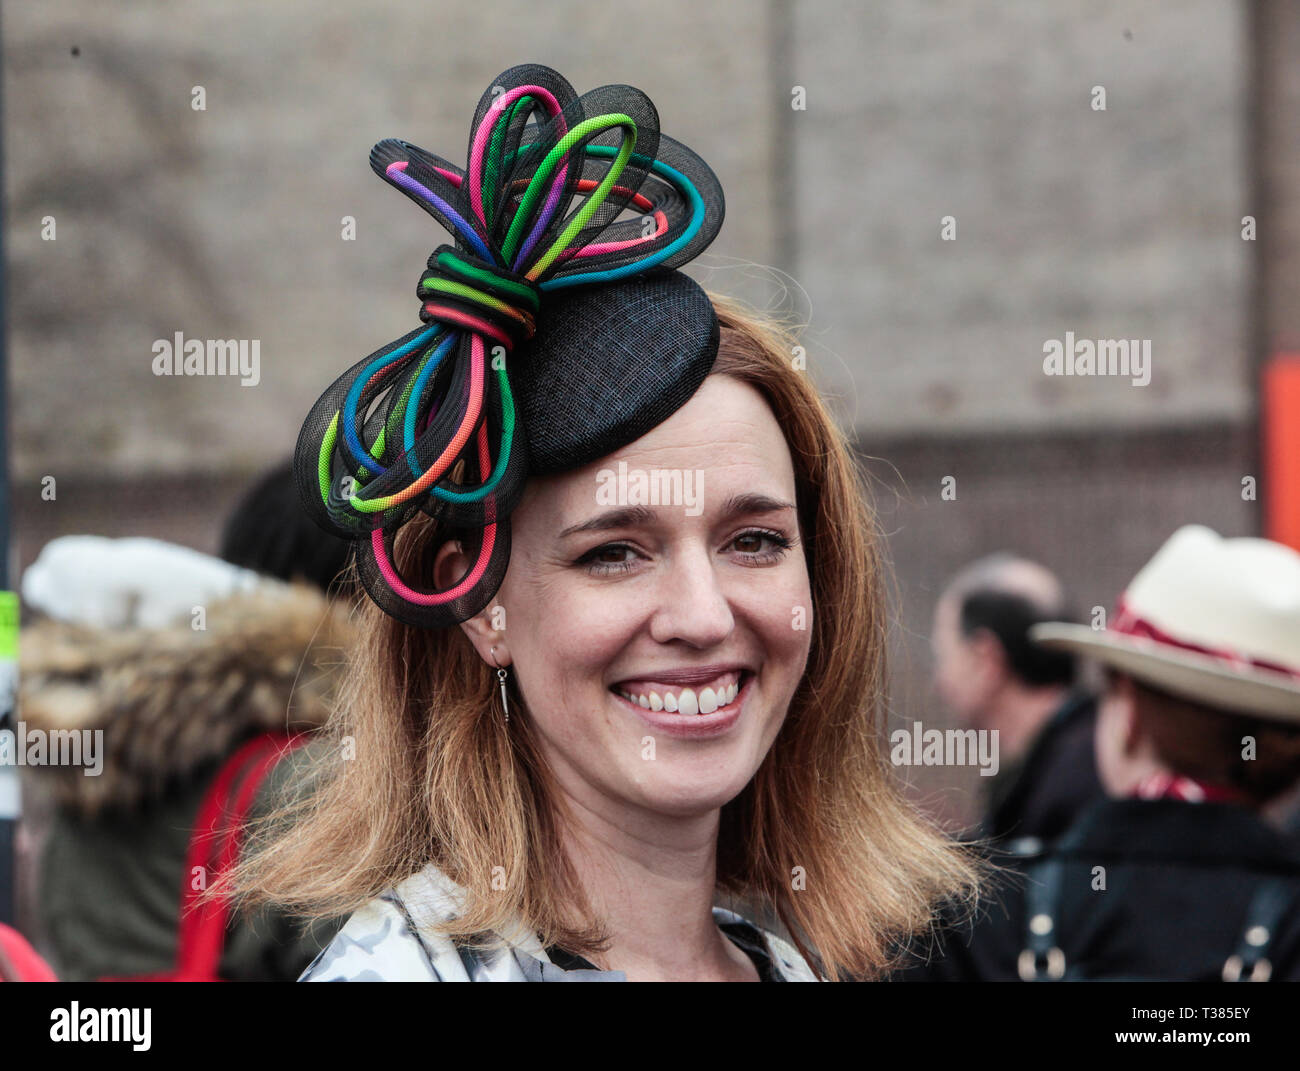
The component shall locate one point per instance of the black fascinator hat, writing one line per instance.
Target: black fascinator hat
(555, 329)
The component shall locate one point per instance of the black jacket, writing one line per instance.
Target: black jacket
(1055, 781)
(1137, 889)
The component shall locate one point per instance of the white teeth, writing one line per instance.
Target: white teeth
(687, 701)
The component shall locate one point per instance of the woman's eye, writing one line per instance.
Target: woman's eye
(761, 545)
(755, 547)
(609, 558)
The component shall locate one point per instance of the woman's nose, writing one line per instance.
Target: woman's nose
(690, 604)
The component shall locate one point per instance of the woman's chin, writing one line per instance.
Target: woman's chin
(684, 796)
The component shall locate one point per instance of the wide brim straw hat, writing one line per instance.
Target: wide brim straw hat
(557, 329)
(1212, 620)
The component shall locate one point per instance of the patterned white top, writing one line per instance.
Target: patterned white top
(389, 940)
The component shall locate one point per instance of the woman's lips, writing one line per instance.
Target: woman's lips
(691, 724)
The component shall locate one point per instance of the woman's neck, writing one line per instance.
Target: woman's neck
(652, 880)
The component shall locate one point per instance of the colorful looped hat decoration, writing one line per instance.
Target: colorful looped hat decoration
(555, 330)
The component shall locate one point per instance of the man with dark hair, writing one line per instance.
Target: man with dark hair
(994, 678)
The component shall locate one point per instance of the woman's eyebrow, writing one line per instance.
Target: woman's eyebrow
(631, 516)
(624, 517)
(754, 502)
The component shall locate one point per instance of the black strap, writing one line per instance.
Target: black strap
(1250, 962)
(1041, 960)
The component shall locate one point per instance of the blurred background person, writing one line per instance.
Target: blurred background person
(202, 674)
(992, 677)
(1174, 874)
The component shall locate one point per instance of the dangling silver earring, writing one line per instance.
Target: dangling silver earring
(501, 678)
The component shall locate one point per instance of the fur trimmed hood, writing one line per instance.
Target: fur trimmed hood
(173, 699)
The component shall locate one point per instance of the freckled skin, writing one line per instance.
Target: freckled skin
(693, 595)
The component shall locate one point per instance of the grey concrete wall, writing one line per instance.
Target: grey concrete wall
(1123, 223)
(1276, 115)
(225, 223)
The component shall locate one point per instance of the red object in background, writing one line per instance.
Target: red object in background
(19, 961)
(1280, 427)
(214, 848)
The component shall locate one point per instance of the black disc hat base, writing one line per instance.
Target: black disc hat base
(609, 363)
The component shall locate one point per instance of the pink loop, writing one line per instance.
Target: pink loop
(468, 581)
(481, 138)
(598, 248)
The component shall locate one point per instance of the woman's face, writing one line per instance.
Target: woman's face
(1123, 756)
(658, 646)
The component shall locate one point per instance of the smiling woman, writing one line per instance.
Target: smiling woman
(572, 728)
(593, 823)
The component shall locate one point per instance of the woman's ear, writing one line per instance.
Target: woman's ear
(990, 656)
(450, 564)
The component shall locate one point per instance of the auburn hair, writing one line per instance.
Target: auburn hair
(1205, 742)
(417, 766)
